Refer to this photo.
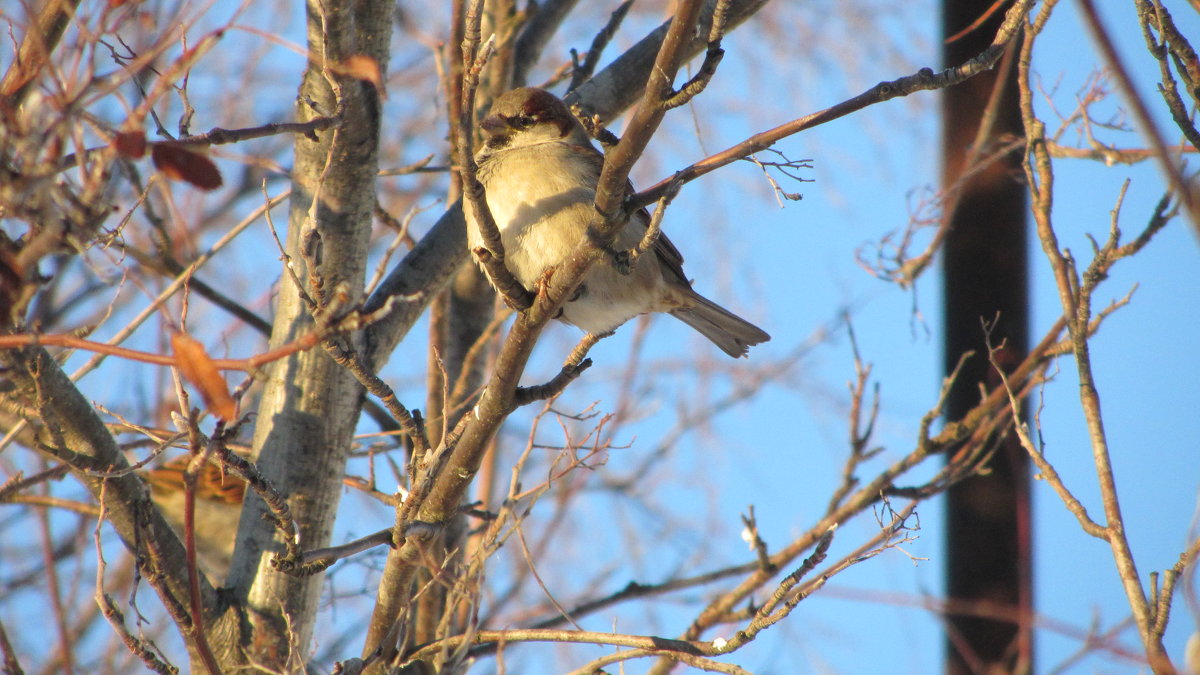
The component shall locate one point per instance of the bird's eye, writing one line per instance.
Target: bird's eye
(522, 121)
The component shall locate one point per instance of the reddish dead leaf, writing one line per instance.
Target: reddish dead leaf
(363, 67)
(180, 163)
(196, 367)
(130, 143)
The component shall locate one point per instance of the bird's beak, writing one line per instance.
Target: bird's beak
(494, 125)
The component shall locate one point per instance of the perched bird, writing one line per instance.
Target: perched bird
(218, 510)
(539, 170)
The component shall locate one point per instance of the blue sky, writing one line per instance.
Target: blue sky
(792, 270)
(1144, 359)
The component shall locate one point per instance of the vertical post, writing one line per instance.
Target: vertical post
(988, 528)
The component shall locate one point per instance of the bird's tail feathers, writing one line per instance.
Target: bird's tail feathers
(733, 334)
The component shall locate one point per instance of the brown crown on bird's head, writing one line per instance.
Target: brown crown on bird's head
(522, 109)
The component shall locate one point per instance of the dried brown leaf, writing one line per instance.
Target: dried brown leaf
(181, 163)
(196, 367)
(130, 143)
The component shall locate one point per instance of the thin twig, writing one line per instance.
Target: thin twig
(582, 71)
(490, 256)
(12, 665)
(1075, 299)
(626, 261)
(143, 649)
(1182, 187)
(923, 80)
(328, 556)
(1045, 470)
(708, 67)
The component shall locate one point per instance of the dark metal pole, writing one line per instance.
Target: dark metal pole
(988, 534)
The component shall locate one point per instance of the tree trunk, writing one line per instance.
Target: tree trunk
(303, 433)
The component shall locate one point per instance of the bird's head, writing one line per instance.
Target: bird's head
(527, 116)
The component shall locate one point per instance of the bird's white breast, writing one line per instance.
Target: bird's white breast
(541, 199)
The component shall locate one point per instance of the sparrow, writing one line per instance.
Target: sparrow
(218, 506)
(539, 171)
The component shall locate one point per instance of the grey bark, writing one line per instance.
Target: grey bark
(310, 405)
